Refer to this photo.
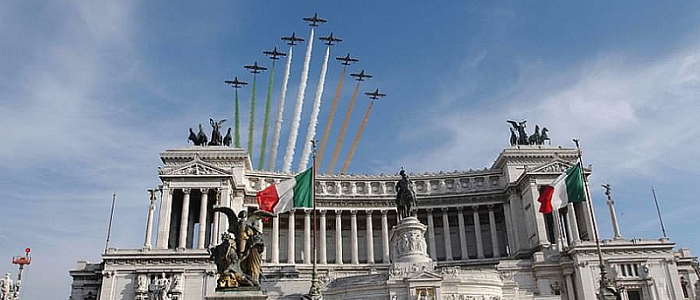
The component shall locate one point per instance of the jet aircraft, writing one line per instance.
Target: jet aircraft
(315, 19)
(346, 60)
(330, 40)
(235, 83)
(292, 40)
(361, 76)
(255, 69)
(375, 95)
(274, 54)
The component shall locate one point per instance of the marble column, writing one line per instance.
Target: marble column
(203, 219)
(432, 251)
(569, 287)
(338, 237)
(149, 221)
(322, 238)
(477, 232)
(182, 242)
(290, 238)
(494, 233)
(370, 238)
(446, 233)
(510, 231)
(462, 234)
(353, 237)
(385, 237)
(166, 203)
(307, 236)
(275, 240)
(573, 225)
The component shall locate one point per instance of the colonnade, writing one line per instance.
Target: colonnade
(209, 223)
(341, 235)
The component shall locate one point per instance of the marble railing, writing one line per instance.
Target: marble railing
(348, 186)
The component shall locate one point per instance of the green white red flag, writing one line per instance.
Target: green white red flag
(288, 194)
(567, 188)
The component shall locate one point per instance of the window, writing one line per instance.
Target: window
(634, 295)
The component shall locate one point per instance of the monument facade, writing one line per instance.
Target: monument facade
(470, 235)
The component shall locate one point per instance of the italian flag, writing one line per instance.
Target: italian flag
(568, 187)
(288, 194)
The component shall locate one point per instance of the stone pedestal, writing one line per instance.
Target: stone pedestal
(408, 242)
(240, 293)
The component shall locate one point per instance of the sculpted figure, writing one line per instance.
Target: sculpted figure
(534, 139)
(544, 137)
(227, 138)
(520, 128)
(201, 137)
(405, 196)
(6, 287)
(216, 138)
(238, 258)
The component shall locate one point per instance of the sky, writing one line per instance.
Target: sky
(92, 91)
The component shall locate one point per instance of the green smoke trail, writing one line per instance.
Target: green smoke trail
(252, 119)
(266, 121)
(237, 134)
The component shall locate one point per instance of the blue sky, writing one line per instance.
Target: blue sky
(90, 92)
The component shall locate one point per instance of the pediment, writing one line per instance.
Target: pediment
(555, 166)
(196, 167)
(424, 276)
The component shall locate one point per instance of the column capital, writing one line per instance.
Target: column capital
(353, 212)
(445, 209)
(338, 211)
(291, 211)
(369, 212)
(491, 206)
(186, 191)
(460, 208)
(322, 212)
(429, 209)
(152, 192)
(204, 190)
(384, 212)
(307, 211)
(475, 208)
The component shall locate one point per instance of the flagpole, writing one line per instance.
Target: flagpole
(605, 284)
(658, 211)
(314, 290)
(109, 227)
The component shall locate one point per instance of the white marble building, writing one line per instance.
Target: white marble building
(483, 227)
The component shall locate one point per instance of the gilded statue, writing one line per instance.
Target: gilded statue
(238, 258)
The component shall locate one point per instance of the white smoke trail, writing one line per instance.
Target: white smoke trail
(280, 114)
(296, 119)
(311, 131)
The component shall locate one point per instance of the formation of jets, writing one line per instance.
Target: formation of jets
(292, 40)
(329, 40)
(235, 83)
(375, 95)
(274, 54)
(314, 20)
(360, 76)
(255, 69)
(346, 60)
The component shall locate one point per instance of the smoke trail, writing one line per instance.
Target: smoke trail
(339, 142)
(280, 114)
(252, 120)
(357, 138)
(331, 114)
(266, 121)
(237, 134)
(311, 130)
(296, 119)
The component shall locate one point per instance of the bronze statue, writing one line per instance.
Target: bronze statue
(216, 138)
(544, 137)
(520, 128)
(534, 139)
(238, 258)
(201, 137)
(405, 196)
(522, 138)
(227, 138)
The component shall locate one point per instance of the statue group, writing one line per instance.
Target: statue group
(405, 196)
(8, 288)
(238, 257)
(518, 136)
(201, 139)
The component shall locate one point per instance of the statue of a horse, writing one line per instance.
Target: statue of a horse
(405, 196)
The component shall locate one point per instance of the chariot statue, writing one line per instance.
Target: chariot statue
(238, 257)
